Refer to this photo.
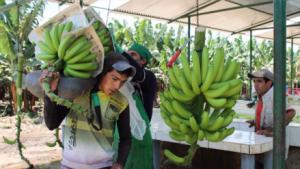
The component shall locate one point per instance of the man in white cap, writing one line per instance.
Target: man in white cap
(263, 84)
(263, 122)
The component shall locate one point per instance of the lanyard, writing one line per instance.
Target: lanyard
(96, 112)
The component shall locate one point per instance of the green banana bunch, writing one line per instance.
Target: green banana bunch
(220, 83)
(79, 61)
(72, 54)
(52, 37)
(197, 104)
(104, 36)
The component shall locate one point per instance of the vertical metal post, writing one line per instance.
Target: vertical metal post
(292, 66)
(279, 83)
(189, 36)
(250, 63)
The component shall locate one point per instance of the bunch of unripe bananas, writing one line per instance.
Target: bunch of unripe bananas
(198, 102)
(104, 35)
(70, 53)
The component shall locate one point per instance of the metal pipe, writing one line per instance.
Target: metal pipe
(233, 8)
(279, 85)
(271, 27)
(195, 10)
(254, 9)
(294, 36)
(292, 66)
(250, 63)
(266, 21)
(189, 36)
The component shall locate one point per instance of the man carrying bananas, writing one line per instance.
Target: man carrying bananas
(263, 84)
(144, 86)
(88, 139)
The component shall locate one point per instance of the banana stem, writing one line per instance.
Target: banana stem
(19, 143)
(207, 107)
(53, 97)
(57, 66)
(191, 153)
(57, 138)
(187, 158)
(19, 108)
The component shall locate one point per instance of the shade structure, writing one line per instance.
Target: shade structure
(235, 16)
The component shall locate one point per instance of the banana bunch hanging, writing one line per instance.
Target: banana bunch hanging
(197, 105)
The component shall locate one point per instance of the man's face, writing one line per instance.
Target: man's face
(112, 82)
(138, 58)
(261, 86)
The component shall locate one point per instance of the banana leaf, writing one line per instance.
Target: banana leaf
(30, 19)
(6, 45)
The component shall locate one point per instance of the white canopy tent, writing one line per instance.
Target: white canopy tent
(235, 16)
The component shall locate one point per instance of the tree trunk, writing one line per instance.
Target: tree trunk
(13, 96)
(2, 91)
(27, 107)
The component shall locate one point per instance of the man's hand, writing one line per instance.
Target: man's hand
(54, 78)
(266, 132)
(251, 123)
(116, 166)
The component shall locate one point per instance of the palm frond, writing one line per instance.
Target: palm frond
(13, 15)
(5, 26)
(30, 19)
(6, 44)
(8, 19)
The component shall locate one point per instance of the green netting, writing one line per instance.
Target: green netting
(141, 152)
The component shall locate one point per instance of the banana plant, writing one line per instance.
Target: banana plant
(161, 40)
(15, 25)
(5, 83)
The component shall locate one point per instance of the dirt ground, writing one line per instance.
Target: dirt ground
(34, 137)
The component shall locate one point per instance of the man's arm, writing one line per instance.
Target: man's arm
(53, 114)
(125, 137)
(290, 113)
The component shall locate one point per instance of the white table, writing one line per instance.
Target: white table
(247, 143)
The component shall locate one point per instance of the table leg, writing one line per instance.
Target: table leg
(247, 161)
(156, 154)
(268, 160)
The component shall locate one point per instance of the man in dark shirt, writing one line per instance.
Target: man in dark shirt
(139, 56)
(144, 82)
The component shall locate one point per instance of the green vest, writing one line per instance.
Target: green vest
(84, 145)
